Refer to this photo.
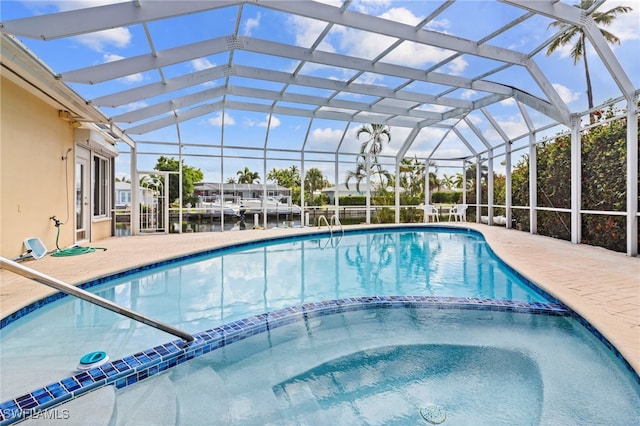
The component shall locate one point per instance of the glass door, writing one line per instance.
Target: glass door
(82, 191)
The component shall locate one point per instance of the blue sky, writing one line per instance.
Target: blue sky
(466, 19)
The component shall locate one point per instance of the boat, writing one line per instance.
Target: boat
(215, 207)
(274, 206)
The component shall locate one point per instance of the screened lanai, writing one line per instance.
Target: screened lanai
(461, 85)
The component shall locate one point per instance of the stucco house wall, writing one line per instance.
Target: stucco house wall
(33, 141)
(37, 132)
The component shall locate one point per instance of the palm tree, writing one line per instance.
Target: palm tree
(377, 133)
(449, 181)
(412, 175)
(569, 32)
(313, 180)
(369, 151)
(359, 175)
(410, 171)
(247, 176)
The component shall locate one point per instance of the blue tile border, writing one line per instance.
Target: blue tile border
(134, 368)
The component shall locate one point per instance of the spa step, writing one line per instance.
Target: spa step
(94, 408)
(200, 394)
(150, 402)
(203, 399)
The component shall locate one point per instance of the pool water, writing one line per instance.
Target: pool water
(202, 293)
(382, 366)
(234, 283)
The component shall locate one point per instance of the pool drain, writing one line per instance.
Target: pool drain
(433, 414)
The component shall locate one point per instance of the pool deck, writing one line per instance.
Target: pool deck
(601, 285)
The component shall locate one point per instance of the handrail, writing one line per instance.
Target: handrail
(330, 223)
(336, 220)
(320, 219)
(91, 298)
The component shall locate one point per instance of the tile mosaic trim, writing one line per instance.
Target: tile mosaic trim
(139, 366)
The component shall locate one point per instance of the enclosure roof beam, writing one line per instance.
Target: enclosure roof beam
(576, 16)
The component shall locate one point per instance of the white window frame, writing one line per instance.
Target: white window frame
(101, 185)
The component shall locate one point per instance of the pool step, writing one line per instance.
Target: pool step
(94, 408)
(151, 402)
(201, 395)
(203, 399)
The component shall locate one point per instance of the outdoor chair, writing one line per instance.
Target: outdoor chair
(458, 212)
(430, 211)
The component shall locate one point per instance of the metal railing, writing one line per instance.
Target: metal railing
(336, 221)
(324, 218)
(41, 278)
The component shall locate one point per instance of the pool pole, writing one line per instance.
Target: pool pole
(41, 278)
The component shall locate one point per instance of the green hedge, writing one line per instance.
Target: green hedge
(353, 200)
(446, 197)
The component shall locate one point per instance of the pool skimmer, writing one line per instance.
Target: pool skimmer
(92, 360)
(433, 414)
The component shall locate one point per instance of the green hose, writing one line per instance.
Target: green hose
(73, 250)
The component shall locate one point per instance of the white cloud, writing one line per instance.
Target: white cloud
(251, 24)
(402, 15)
(457, 66)
(468, 94)
(200, 64)
(416, 55)
(116, 37)
(132, 78)
(307, 30)
(275, 122)
(566, 94)
(433, 108)
(326, 135)
(475, 119)
(135, 105)
(624, 26)
(513, 127)
(369, 6)
(369, 78)
(111, 57)
(216, 120)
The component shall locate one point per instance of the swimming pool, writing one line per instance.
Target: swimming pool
(231, 284)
